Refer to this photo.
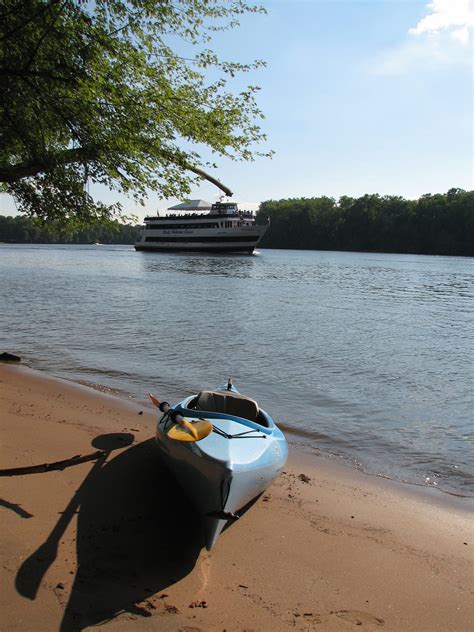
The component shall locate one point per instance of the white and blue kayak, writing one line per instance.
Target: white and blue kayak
(224, 451)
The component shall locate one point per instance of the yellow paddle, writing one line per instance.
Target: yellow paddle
(187, 431)
(184, 430)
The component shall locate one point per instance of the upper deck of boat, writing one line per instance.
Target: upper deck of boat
(219, 210)
(193, 216)
(247, 215)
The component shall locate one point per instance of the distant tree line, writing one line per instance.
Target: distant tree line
(24, 230)
(441, 224)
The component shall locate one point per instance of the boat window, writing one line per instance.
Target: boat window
(176, 225)
(199, 238)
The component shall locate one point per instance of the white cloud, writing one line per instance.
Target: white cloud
(462, 35)
(441, 38)
(454, 16)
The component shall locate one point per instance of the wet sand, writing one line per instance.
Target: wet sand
(112, 541)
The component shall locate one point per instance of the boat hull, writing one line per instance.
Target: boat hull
(204, 248)
(221, 475)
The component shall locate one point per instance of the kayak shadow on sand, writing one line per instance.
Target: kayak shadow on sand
(136, 535)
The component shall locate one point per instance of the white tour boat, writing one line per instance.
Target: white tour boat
(223, 229)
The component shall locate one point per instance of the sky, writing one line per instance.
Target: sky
(358, 97)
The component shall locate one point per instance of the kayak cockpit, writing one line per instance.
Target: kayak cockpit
(229, 403)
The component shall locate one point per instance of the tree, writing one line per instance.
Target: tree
(440, 224)
(23, 229)
(96, 92)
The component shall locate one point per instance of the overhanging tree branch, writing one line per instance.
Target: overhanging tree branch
(209, 178)
(13, 173)
(82, 155)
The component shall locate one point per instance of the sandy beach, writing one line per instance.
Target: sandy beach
(113, 542)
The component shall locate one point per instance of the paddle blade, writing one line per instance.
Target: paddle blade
(155, 401)
(190, 431)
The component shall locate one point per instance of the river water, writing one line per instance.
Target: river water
(364, 357)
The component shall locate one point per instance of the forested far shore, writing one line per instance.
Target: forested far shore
(439, 224)
(24, 230)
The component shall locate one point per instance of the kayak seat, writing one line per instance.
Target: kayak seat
(227, 403)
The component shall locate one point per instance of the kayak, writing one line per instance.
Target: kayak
(223, 449)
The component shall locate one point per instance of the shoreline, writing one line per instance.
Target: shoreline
(346, 462)
(114, 542)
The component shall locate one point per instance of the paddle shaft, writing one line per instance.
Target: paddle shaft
(178, 419)
(195, 431)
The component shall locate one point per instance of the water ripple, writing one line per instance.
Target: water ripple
(368, 357)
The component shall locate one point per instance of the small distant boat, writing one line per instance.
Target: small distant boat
(224, 229)
(224, 451)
